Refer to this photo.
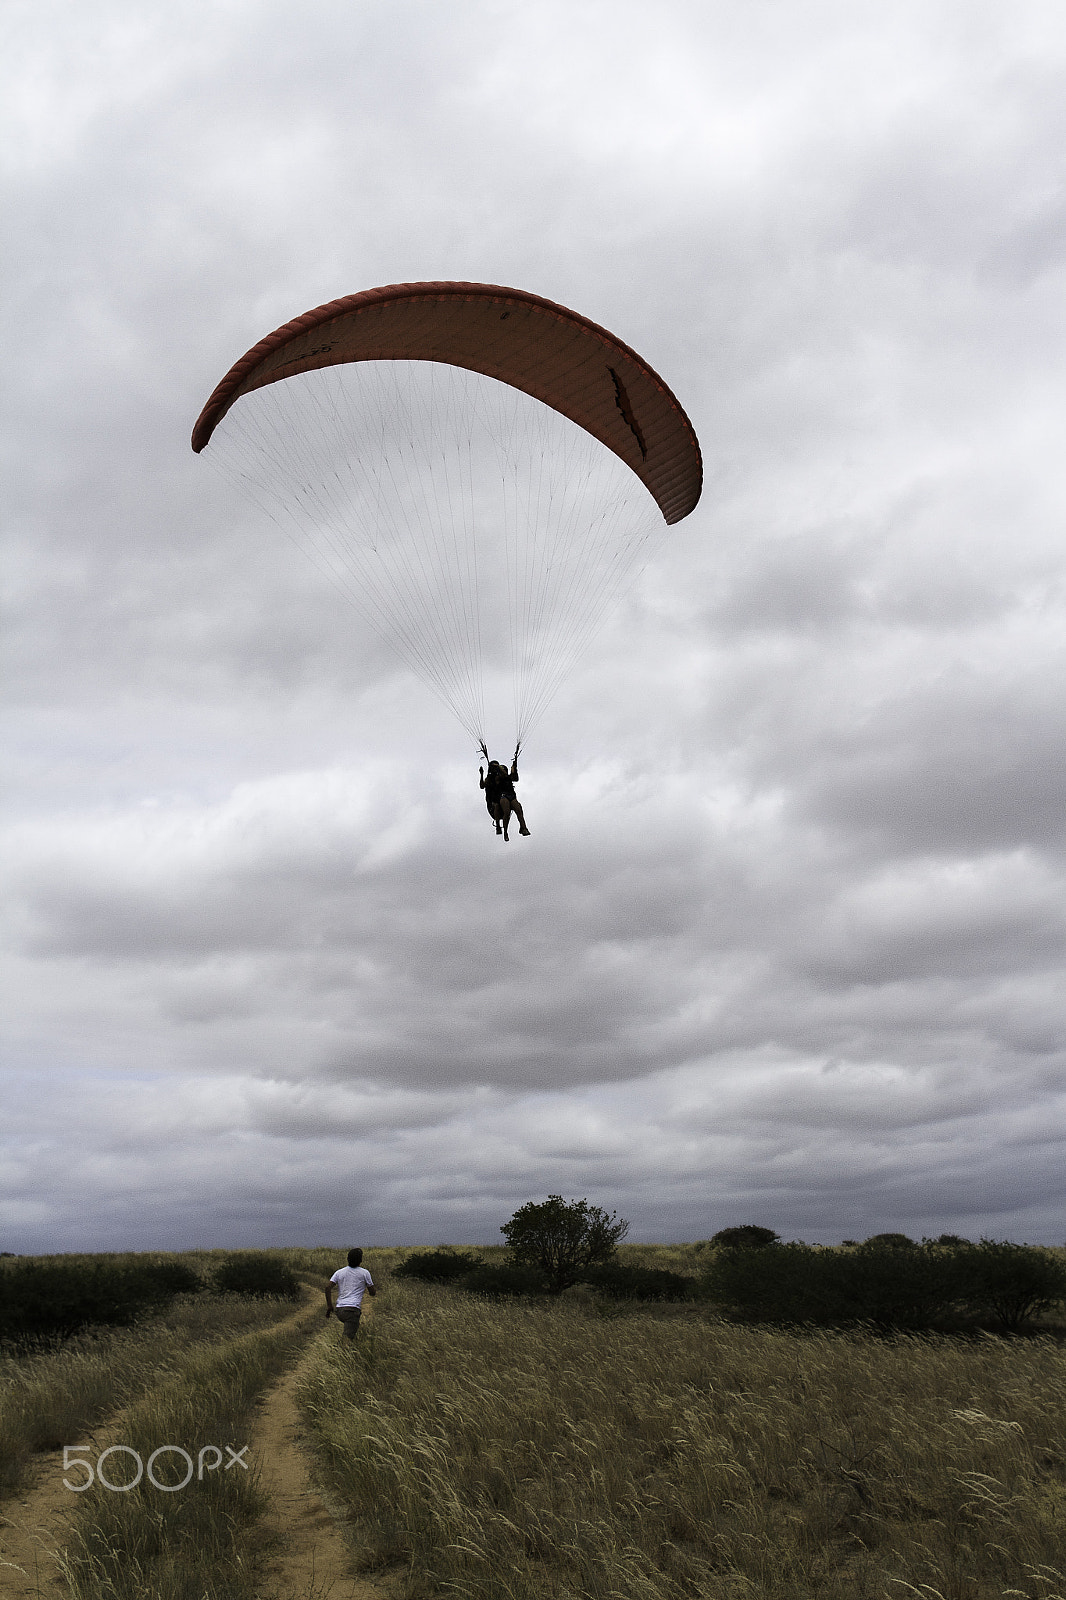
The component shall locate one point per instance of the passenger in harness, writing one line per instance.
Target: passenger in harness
(500, 797)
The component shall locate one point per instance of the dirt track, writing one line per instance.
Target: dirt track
(33, 1525)
(312, 1561)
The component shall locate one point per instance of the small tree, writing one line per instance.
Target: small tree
(1014, 1281)
(562, 1239)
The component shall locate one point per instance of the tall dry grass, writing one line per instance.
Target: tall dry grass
(50, 1398)
(201, 1542)
(514, 1452)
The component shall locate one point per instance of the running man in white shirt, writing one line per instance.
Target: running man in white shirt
(352, 1282)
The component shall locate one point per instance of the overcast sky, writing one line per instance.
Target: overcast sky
(786, 945)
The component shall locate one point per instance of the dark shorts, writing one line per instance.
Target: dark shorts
(349, 1316)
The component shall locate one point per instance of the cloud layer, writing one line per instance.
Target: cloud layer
(786, 944)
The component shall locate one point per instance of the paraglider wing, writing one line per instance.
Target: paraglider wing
(548, 352)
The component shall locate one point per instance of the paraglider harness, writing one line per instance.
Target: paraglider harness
(497, 781)
(499, 787)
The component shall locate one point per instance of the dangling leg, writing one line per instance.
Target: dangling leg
(505, 816)
(516, 807)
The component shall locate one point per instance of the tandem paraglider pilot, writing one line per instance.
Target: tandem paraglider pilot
(351, 1283)
(500, 798)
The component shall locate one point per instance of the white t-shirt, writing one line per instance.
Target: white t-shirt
(352, 1283)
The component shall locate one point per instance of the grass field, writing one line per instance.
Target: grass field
(202, 1543)
(512, 1452)
(48, 1398)
(575, 1449)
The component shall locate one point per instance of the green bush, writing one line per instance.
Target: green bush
(437, 1266)
(620, 1282)
(255, 1272)
(504, 1281)
(54, 1299)
(167, 1278)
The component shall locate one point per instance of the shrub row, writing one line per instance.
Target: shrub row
(888, 1283)
(55, 1299)
(620, 1282)
(466, 1271)
(52, 1300)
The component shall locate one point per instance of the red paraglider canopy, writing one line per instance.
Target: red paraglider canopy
(551, 353)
